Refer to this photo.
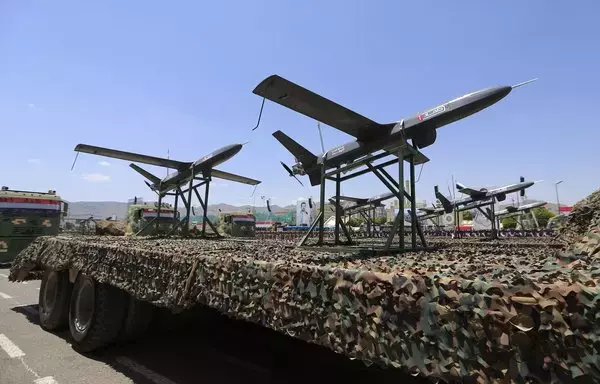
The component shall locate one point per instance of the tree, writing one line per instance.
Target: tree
(354, 222)
(380, 220)
(467, 215)
(509, 222)
(542, 214)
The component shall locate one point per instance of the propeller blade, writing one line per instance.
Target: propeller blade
(298, 180)
(288, 169)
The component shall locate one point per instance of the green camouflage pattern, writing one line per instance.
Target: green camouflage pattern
(580, 232)
(475, 311)
(18, 230)
(136, 223)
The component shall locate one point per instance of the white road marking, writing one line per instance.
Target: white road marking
(5, 296)
(146, 372)
(38, 289)
(24, 282)
(3, 275)
(46, 380)
(9, 347)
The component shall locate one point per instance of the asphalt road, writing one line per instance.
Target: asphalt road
(204, 348)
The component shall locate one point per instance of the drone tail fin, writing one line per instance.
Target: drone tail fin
(445, 202)
(304, 156)
(153, 179)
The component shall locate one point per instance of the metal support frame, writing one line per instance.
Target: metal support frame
(405, 153)
(187, 203)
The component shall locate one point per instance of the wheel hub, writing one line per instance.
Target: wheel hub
(84, 306)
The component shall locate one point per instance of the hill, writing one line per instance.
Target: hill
(102, 209)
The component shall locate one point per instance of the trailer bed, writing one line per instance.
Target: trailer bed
(481, 310)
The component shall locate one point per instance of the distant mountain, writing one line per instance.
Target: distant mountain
(102, 209)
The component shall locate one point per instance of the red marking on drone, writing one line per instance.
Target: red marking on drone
(420, 117)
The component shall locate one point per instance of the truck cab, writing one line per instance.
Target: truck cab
(25, 215)
(238, 225)
(141, 215)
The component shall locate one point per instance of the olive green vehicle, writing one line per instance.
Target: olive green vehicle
(142, 219)
(238, 224)
(25, 215)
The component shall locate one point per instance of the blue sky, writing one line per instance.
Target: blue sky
(152, 76)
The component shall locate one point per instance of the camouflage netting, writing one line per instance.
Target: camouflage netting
(110, 228)
(480, 311)
(581, 231)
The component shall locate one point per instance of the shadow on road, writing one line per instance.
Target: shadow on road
(202, 346)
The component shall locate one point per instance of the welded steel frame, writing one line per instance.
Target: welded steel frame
(179, 192)
(491, 216)
(405, 153)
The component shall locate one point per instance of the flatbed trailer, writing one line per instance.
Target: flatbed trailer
(496, 311)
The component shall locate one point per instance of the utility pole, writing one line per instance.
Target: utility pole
(557, 201)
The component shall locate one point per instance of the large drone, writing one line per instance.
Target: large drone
(187, 172)
(370, 136)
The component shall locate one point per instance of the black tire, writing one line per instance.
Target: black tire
(53, 300)
(95, 314)
(138, 316)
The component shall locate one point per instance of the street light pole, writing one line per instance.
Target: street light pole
(557, 201)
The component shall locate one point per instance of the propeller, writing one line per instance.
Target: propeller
(310, 204)
(288, 169)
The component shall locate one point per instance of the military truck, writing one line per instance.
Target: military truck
(140, 215)
(238, 224)
(25, 215)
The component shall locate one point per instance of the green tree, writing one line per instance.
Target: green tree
(355, 222)
(467, 215)
(542, 215)
(509, 222)
(380, 220)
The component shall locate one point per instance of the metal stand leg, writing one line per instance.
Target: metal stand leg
(337, 209)
(322, 206)
(157, 226)
(186, 229)
(401, 193)
(205, 214)
(204, 206)
(413, 203)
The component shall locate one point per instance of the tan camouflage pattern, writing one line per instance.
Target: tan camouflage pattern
(581, 232)
(476, 311)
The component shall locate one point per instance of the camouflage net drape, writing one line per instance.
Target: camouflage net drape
(486, 311)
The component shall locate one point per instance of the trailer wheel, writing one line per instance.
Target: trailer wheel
(53, 300)
(95, 314)
(138, 316)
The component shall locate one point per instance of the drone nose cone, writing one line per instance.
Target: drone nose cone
(232, 149)
(495, 94)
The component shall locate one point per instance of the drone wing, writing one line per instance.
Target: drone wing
(308, 103)
(468, 191)
(232, 177)
(131, 156)
(354, 199)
